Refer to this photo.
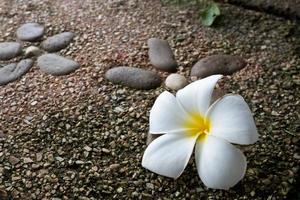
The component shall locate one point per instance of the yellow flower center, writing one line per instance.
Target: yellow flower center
(197, 126)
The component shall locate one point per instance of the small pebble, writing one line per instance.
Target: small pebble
(176, 81)
(32, 51)
(120, 190)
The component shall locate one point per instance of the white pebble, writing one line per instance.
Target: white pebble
(176, 81)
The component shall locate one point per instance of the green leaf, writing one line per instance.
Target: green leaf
(209, 15)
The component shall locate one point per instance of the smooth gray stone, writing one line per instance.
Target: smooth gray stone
(9, 50)
(14, 71)
(161, 55)
(217, 64)
(57, 42)
(30, 32)
(56, 65)
(133, 77)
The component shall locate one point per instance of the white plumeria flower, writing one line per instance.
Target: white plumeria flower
(189, 120)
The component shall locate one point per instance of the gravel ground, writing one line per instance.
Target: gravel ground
(80, 137)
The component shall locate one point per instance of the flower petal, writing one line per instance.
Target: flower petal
(231, 119)
(169, 154)
(220, 165)
(196, 96)
(166, 115)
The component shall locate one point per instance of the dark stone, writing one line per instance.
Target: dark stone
(133, 77)
(217, 64)
(57, 42)
(14, 71)
(161, 55)
(56, 65)
(9, 50)
(30, 32)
